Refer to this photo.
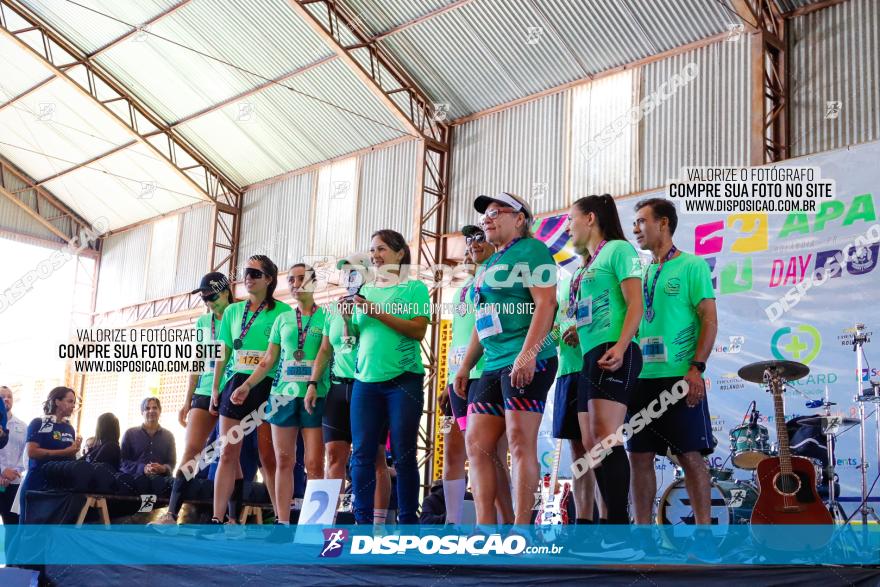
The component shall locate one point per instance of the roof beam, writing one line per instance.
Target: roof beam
(419, 19)
(420, 118)
(214, 185)
(265, 85)
(40, 204)
(122, 38)
(24, 93)
(94, 159)
(809, 8)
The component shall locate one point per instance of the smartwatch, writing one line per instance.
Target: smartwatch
(700, 365)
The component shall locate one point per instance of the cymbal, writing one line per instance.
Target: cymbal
(788, 370)
(824, 421)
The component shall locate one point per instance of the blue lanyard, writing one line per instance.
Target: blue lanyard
(478, 283)
(649, 295)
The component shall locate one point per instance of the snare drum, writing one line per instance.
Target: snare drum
(749, 445)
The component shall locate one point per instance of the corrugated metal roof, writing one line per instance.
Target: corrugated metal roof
(834, 55)
(279, 129)
(378, 17)
(520, 150)
(597, 166)
(175, 78)
(14, 219)
(123, 268)
(20, 70)
(513, 50)
(275, 220)
(336, 203)
(686, 128)
(84, 23)
(387, 191)
(131, 185)
(60, 127)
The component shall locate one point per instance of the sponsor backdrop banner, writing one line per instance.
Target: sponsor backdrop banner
(755, 260)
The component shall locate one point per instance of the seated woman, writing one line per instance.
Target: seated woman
(105, 448)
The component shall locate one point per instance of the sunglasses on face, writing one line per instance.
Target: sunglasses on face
(477, 238)
(210, 297)
(253, 273)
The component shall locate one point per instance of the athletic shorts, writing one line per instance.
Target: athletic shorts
(679, 428)
(617, 386)
(293, 414)
(457, 407)
(337, 411)
(200, 402)
(494, 393)
(255, 398)
(565, 412)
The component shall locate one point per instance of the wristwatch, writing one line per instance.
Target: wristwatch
(700, 365)
(315, 383)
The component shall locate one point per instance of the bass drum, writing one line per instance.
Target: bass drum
(732, 503)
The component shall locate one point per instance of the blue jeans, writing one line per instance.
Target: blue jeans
(399, 402)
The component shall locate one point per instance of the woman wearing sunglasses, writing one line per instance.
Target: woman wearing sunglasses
(605, 302)
(244, 331)
(216, 293)
(339, 346)
(293, 345)
(391, 318)
(515, 297)
(454, 407)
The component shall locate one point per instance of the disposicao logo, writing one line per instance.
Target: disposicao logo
(333, 541)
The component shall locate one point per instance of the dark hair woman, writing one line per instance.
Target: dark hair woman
(605, 301)
(514, 295)
(49, 438)
(390, 318)
(216, 293)
(105, 446)
(244, 331)
(339, 347)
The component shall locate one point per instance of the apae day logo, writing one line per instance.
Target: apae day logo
(801, 343)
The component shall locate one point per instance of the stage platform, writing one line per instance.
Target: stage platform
(443, 576)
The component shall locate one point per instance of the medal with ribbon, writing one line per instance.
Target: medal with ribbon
(649, 295)
(239, 342)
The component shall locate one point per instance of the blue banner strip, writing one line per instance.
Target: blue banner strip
(419, 545)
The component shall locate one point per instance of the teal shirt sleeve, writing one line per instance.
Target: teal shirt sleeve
(626, 262)
(421, 299)
(225, 334)
(275, 333)
(700, 283)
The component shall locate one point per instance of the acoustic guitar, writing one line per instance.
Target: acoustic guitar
(787, 490)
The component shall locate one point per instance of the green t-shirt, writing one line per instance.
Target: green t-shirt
(206, 377)
(285, 332)
(618, 260)
(344, 359)
(384, 353)
(256, 342)
(528, 261)
(570, 357)
(684, 282)
(462, 329)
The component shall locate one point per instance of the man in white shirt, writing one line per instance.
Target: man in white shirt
(11, 462)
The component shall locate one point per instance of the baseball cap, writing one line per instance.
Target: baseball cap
(470, 230)
(505, 199)
(213, 282)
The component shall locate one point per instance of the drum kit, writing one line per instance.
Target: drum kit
(733, 500)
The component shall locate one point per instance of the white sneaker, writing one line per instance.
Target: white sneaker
(165, 524)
